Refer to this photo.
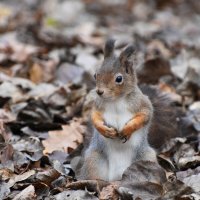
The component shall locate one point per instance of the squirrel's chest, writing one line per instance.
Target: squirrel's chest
(116, 114)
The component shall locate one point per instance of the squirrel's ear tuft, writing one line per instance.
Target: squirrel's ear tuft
(127, 57)
(127, 53)
(109, 48)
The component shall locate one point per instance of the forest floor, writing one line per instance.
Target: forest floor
(48, 54)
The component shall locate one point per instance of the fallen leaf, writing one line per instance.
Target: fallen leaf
(170, 92)
(60, 167)
(36, 73)
(20, 177)
(191, 178)
(191, 84)
(31, 144)
(166, 162)
(87, 61)
(6, 148)
(6, 116)
(59, 182)
(34, 111)
(156, 48)
(68, 138)
(42, 71)
(192, 196)
(176, 190)
(20, 159)
(48, 176)
(68, 10)
(109, 192)
(41, 189)
(186, 156)
(41, 90)
(75, 194)
(193, 72)
(91, 185)
(26, 194)
(5, 174)
(4, 189)
(68, 73)
(7, 89)
(143, 179)
(6, 153)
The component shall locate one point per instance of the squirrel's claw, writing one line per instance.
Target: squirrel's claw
(124, 139)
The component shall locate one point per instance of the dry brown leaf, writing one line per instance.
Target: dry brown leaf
(166, 88)
(36, 73)
(6, 116)
(170, 92)
(18, 51)
(27, 193)
(20, 177)
(5, 174)
(6, 149)
(91, 185)
(48, 176)
(142, 180)
(109, 192)
(6, 153)
(43, 71)
(155, 48)
(63, 140)
(193, 181)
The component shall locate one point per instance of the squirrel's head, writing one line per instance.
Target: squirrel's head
(116, 77)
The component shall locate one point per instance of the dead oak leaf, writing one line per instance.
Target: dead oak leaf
(36, 73)
(109, 192)
(74, 194)
(20, 177)
(66, 139)
(48, 176)
(6, 116)
(27, 193)
(5, 174)
(6, 149)
(42, 71)
(4, 189)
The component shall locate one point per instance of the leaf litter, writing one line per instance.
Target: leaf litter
(48, 55)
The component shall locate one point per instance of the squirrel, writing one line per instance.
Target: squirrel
(122, 117)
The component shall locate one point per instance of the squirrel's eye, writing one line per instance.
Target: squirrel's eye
(119, 79)
(95, 76)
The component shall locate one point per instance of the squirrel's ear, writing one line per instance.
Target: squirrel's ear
(126, 56)
(109, 48)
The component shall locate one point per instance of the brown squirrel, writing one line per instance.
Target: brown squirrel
(123, 119)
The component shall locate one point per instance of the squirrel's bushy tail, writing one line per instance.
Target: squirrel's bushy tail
(164, 124)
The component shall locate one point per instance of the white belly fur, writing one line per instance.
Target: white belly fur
(116, 114)
(120, 155)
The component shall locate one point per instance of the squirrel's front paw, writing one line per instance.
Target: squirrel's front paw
(126, 132)
(106, 131)
(110, 133)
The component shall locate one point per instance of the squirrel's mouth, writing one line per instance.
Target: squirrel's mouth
(107, 97)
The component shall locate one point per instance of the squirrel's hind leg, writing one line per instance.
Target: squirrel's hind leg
(147, 153)
(94, 166)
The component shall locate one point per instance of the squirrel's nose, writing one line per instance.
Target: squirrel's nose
(99, 92)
